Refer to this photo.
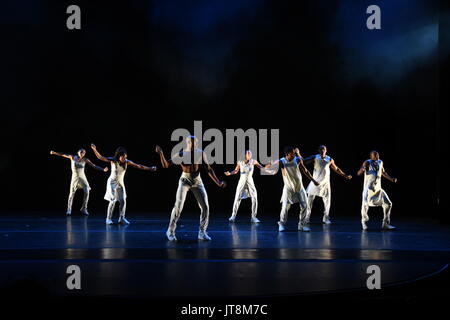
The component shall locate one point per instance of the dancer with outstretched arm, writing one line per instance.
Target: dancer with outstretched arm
(79, 181)
(322, 164)
(373, 195)
(293, 190)
(191, 160)
(246, 186)
(115, 187)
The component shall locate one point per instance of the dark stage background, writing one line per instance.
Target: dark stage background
(137, 70)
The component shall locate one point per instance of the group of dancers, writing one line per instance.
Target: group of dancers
(192, 160)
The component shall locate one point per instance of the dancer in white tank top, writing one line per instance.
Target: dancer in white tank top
(191, 161)
(322, 164)
(293, 190)
(115, 187)
(79, 180)
(373, 195)
(246, 186)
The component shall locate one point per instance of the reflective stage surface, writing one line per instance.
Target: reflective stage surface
(242, 258)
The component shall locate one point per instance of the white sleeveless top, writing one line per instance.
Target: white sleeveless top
(322, 175)
(246, 169)
(372, 175)
(322, 169)
(293, 178)
(118, 172)
(77, 167)
(115, 186)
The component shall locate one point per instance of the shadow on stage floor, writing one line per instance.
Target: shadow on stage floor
(243, 259)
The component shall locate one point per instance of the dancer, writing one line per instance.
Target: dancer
(246, 186)
(373, 195)
(321, 173)
(115, 187)
(293, 190)
(79, 180)
(190, 160)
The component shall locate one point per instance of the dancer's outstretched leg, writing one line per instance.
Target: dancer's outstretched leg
(176, 211)
(236, 204)
(70, 200)
(202, 200)
(304, 211)
(255, 209)
(387, 207)
(285, 206)
(122, 210)
(86, 191)
(326, 209)
(110, 211)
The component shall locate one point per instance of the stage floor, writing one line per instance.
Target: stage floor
(243, 259)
